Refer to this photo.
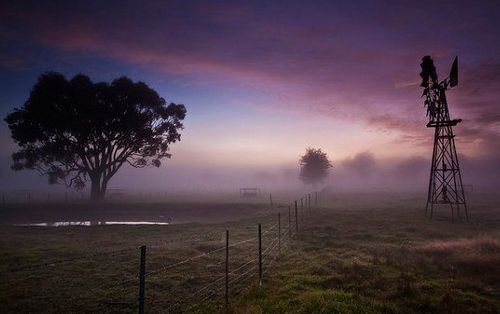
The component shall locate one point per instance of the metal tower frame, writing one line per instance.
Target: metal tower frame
(445, 181)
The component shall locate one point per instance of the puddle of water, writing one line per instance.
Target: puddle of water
(93, 223)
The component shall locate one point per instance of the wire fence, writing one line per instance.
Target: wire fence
(172, 281)
(68, 196)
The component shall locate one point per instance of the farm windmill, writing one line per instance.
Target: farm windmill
(445, 182)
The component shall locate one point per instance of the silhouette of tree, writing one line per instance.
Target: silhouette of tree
(76, 130)
(314, 166)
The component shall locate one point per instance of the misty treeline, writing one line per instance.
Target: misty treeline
(75, 131)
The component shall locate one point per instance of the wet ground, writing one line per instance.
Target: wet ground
(125, 213)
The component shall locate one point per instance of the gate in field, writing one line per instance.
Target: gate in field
(249, 191)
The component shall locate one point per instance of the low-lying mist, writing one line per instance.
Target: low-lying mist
(364, 172)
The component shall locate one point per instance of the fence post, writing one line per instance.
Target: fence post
(48, 197)
(305, 204)
(260, 255)
(271, 199)
(296, 219)
(309, 202)
(301, 209)
(316, 199)
(66, 196)
(279, 233)
(227, 270)
(289, 221)
(142, 279)
(29, 197)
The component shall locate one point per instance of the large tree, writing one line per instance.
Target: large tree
(75, 131)
(314, 165)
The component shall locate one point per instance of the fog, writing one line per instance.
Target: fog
(363, 172)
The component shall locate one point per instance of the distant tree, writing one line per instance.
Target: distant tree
(314, 166)
(75, 130)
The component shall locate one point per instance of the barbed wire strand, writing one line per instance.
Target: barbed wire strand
(242, 266)
(167, 267)
(192, 295)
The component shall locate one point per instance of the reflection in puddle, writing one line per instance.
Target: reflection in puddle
(94, 223)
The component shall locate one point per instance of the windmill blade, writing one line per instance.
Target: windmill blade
(454, 73)
(428, 71)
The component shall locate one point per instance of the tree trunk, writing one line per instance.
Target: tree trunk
(104, 186)
(96, 191)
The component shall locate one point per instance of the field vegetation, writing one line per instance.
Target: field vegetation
(355, 254)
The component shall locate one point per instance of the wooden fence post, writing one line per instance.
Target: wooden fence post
(309, 202)
(260, 255)
(301, 209)
(279, 233)
(142, 279)
(271, 199)
(227, 270)
(296, 219)
(289, 220)
(305, 205)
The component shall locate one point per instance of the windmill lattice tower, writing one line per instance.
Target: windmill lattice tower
(445, 182)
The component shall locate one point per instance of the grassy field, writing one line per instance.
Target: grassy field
(94, 269)
(356, 254)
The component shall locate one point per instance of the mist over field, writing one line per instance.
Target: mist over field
(363, 172)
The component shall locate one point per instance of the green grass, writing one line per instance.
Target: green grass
(358, 254)
(386, 258)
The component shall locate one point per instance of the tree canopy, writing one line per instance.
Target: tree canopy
(76, 130)
(314, 166)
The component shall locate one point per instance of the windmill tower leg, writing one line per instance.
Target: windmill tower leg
(430, 205)
(460, 187)
(445, 182)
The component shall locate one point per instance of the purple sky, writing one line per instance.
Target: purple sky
(262, 80)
